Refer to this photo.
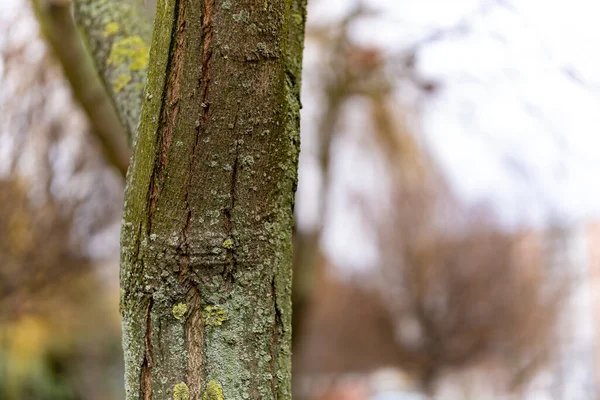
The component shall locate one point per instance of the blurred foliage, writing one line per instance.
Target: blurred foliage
(470, 299)
(26, 371)
(50, 303)
(34, 245)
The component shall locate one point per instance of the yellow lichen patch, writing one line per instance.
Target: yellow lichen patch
(298, 19)
(112, 28)
(179, 310)
(120, 82)
(181, 392)
(215, 315)
(228, 243)
(131, 50)
(213, 392)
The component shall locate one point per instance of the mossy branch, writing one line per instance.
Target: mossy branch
(61, 33)
(118, 35)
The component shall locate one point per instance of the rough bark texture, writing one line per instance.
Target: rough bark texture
(118, 34)
(206, 237)
(61, 33)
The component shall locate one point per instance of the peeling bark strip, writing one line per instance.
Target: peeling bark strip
(206, 236)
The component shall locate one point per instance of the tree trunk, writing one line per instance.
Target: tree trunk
(206, 236)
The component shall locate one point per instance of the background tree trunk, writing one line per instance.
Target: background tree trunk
(206, 236)
(61, 34)
(118, 34)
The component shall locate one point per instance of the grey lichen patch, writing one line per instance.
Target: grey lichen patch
(252, 28)
(226, 5)
(132, 50)
(247, 161)
(242, 16)
(179, 310)
(181, 391)
(215, 315)
(228, 243)
(213, 392)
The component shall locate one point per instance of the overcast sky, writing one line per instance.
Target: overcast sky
(522, 105)
(515, 121)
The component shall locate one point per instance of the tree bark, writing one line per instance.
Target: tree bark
(206, 236)
(118, 34)
(61, 33)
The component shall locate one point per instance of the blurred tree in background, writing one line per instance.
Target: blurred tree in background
(452, 289)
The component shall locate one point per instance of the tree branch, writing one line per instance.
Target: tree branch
(61, 33)
(118, 35)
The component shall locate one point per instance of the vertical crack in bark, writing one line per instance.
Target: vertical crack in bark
(234, 171)
(274, 338)
(228, 273)
(151, 201)
(147, 364)
(207, 33)
(159, 340)
(195, 345)
(170, 108)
